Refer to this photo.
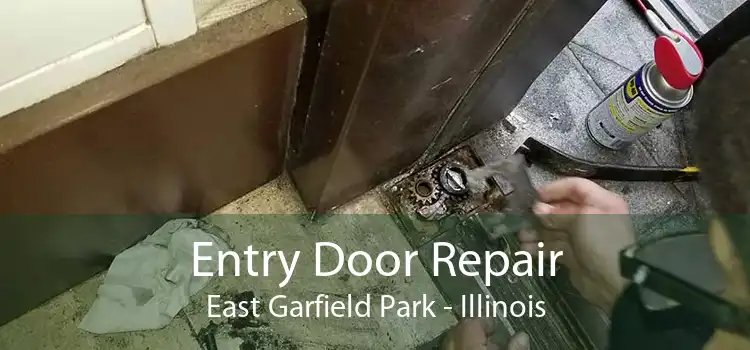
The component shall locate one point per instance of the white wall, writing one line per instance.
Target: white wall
(48, 46)
(34, 33)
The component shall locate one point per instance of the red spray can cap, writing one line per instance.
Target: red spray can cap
(678, 60)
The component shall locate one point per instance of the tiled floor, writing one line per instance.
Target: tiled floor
(713, 11)
(610, 47)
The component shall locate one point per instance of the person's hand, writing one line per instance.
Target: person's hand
(590, 225)
(473, 334)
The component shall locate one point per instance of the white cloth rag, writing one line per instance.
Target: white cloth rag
(148, 284)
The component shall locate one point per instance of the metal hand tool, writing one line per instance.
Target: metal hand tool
(518, 213)
(564, 164)
(514, 170)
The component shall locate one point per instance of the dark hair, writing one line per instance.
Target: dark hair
(722, 142)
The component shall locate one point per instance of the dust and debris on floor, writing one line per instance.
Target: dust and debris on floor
(269, 218)
(245, 333)
(370, 232)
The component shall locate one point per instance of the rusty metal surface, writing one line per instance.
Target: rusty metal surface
(410, 214)
(188, 144)
(318, 12)
(471, 223)
(392, 73)
(547, 27)
(313, 139)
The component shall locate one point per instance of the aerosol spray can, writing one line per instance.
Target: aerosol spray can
(650, 96)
